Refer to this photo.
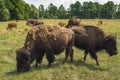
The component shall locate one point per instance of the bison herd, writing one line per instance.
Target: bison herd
(50, 40)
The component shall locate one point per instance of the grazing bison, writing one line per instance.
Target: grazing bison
(44, 39)
(73, 22)
(100, 22)
(92, 39)
(61, 23)
(34, 22)
(12, 25)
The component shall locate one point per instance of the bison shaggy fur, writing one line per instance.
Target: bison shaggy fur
(92, 39)
(41, 40)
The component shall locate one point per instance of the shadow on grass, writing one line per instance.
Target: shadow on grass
(12, 73)
(90, 66)
(58, 63)
(79, 63)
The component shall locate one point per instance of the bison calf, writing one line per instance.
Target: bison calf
(12, 25)
(44, 39)
(61, 23)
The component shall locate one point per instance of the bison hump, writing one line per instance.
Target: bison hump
(45, 32)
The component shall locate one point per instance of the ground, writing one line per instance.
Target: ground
(109, 68)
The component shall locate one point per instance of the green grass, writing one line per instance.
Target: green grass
(109, 68)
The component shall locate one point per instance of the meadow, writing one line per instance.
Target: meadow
(109, 68)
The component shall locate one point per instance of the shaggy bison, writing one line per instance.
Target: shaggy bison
(61, 23)
(92, 39)
(34, 22)
(44, 39)
(73, 22)
(12, 25)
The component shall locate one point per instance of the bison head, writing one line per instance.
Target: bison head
(110, 44)
(23, 60)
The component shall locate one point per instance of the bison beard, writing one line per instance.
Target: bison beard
(44, 39)
(92, 39)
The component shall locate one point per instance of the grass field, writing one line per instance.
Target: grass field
(109, 68)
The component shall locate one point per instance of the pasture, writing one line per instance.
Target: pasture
(109, 68)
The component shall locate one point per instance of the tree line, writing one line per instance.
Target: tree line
(18, 10)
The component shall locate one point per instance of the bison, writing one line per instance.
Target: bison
(12, 25)
(34, 22)
(100, 22)
(41, 40)
(92, 39)
(61, 23)
(73, 22)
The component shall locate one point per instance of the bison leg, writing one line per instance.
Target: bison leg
(94, 56)
(69, 51)
(66, 55)
(71, 55)
(50, 57)
(39, 58)
(86, 52)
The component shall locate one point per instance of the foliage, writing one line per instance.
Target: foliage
(52, 11)
(18, 9)
(118, 12)
(41, 11)
(34, 12)
(4, 13)
(62, 12)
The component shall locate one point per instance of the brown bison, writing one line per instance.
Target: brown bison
(12, 25)
(44, 39)
(92, 39)
(73, 22)
(34, 22)
(100, 22)
(61, 23)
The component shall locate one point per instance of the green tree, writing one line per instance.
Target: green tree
(75, 10)
(89, 10)
(98, 9)
(27, 11)
(19, 9)
(85, 10)
(34, 12)
(4, 12)
(118, 12)
(52, 11)
(62, 12)
(41, 11)
(108, 10)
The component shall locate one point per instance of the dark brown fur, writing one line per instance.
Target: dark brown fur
(92, 39)
(39, 42)
(12, 25)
